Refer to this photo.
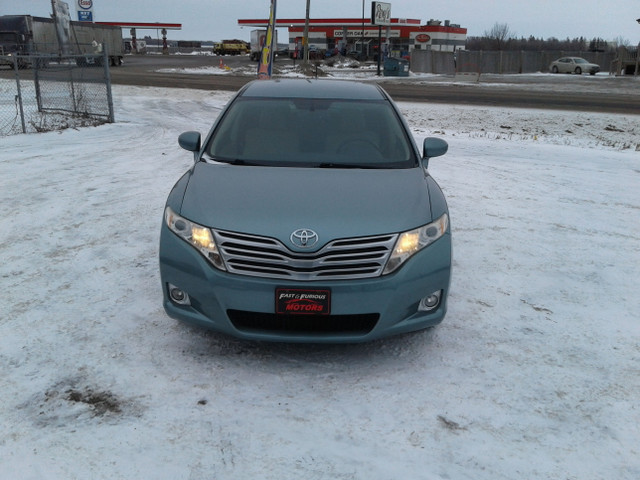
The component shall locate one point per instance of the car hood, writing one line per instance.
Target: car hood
(335, 203)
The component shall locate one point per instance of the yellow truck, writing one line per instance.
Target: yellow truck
(230, 47)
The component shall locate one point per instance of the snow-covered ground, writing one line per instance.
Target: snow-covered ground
(534, 374)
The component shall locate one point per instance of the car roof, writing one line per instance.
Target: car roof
(306, 88)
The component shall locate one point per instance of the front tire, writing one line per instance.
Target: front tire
(578, 71)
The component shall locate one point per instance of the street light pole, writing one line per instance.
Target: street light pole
(305, 38)
(637, 71)
(362, 38)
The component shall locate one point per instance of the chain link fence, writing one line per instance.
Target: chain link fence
(44, 93)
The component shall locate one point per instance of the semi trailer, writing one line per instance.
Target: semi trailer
(30, 37)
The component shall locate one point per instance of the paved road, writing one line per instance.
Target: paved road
(567, 92)
(520, 97)
(144, 71)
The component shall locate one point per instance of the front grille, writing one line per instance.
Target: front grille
(300, 324)
(256, 256)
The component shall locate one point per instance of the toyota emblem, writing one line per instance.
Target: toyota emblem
(304, 238)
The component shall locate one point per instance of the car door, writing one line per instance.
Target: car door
(564, 65)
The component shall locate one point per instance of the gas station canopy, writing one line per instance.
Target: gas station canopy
(323, 22)
(144, 25)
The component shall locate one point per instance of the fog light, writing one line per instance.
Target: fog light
(430, 302)
(177, 295)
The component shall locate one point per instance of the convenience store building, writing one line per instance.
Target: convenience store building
(355, 35)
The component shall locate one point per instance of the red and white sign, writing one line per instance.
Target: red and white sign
(85, 10)
(293, 301)
(423, 38)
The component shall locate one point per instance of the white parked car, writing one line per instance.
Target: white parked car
(574, 65)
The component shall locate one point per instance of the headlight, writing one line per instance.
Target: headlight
(411, 242)
(197, 235)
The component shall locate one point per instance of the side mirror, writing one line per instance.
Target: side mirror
(434, 147)
(190, 141)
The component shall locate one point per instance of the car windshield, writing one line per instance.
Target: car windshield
(580, 60)
(322, 133)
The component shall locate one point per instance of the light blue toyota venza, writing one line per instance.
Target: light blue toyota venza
(308, 215)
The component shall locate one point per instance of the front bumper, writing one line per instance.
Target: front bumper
(389, 303)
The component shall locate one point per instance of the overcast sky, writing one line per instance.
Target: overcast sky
(218, 19)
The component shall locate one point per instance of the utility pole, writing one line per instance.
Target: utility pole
(362, 57)
(305, 38)
(637, 70)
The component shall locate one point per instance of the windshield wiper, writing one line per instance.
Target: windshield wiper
(232, 161)
(343, 165)
(238, 161)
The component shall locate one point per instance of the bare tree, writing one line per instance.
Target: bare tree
(621, 42)
(500, 34)
(533, 44)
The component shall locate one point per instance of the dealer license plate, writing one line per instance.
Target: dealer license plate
(295, 301)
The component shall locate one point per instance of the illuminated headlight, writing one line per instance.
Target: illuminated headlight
(198, 236)
(411, 242)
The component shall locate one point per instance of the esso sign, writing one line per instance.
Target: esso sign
(423, 37)
(85, 4)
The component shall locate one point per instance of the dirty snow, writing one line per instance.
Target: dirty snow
(349, 69)
(534, 374)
